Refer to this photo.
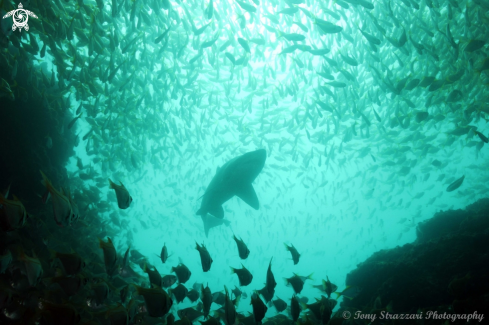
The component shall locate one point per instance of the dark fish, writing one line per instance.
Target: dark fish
(237, 292)
(206, 297)
(159, 38)
(205, 257)
(158, 302)
(329, 287)
(153, 274)
(350, 292)
(72, 262)
(270, 284)
(124, 260)
(456, 184)
(211, 321)
(267, 295)
(71, 285)
(182, 272)
(229, 310)
(297, 282)
(244, 276)
(436, 163)
(321, 310)
(279, 304)
(190, 313)
(110, 255)
(193, 295)
(197, 286)
(242, 248)
(294, 252)
(295, 308)
(482, 137)
(180, 292)
(219, 298)
(168, 280)
(136, 257)
(259, 308)
(123, 294)
(70, 125)
(123, 197)
(164, 254)
(244, 44)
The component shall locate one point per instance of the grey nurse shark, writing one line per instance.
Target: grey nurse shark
(233, 178)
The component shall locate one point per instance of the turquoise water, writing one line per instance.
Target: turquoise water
(355, 157)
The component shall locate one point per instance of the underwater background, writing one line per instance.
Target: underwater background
(373, 116)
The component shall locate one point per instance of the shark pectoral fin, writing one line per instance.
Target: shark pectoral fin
(217, 212)
(247, 193)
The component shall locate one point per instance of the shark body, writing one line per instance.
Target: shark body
(234, 178)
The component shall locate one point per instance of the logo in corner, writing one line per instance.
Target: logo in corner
(20, 17)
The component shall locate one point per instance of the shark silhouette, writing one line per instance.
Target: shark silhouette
(233, 178)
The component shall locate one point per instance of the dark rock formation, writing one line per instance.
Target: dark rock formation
(446, 269)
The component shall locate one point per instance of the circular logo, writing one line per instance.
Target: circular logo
(20, 18)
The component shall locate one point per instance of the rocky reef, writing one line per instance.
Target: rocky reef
(34, 118)
(446, 270)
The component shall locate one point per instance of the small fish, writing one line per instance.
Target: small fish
(70, 125)
(482, 137)
(327, 287)
(193, 295)
(270, 284)
(297, 282)
(168, 280)
(244, 276)
(158, 302)
(267, 294)
(159, 38)
(229, 310)
(190, 313)
(211, 321)
(164, 254)
(205, 257)
(279, 304)
(72, 262)
(153, 274)
(12, 213)
(180, 292)
(110, 255)
(123, 198)
(242, 248)
(124, 261)
(71, 285)
(32, 267)
(244, 44)
(295, 309)
(182, 272)
(294, 252)
(219, 298)
(5, 260)
(350, 292)
(5, 90)
(456, 184)
(62, 209)
(259, 308)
